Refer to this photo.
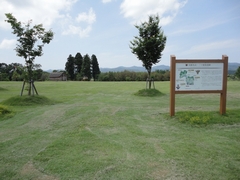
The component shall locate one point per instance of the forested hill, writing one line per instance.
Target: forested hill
(134, 68)
(232, 67)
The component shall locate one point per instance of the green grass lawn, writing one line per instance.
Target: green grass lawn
(103, 130)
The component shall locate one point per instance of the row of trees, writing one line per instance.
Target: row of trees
(79, 68)
(18, 72)
(158, 75)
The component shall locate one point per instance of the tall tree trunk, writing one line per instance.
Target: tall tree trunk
(29, 88)
(149, 79)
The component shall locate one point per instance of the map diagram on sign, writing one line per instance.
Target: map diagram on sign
(199, 76)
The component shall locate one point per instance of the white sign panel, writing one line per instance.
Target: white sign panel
(199, 76)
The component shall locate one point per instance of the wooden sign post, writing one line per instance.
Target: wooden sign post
(198, 76)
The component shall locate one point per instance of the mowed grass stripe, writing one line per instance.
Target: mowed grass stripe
(101, 130)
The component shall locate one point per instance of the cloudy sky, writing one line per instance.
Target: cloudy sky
(194, 28)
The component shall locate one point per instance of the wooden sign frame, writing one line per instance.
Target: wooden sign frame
(222, 90)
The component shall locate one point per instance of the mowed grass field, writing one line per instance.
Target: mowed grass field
(101, 130)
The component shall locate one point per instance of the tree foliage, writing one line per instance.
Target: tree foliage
(17, 72)
(237, 73)
(158, 75)
(78, 62)
(150, 43)
(86, 67)
(82, 68)
(30, 42)
(95, 67)
(70, 67)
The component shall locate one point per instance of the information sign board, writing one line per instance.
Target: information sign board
(199, 76)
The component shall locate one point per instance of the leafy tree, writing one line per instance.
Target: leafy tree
(70, 67)
(45, 76)
(16, 76)
(150, 43)
(95, 67)
(86, 67)
(31, 41)
(37, 73)
(4, 73)
(237, 73)
(78, 62)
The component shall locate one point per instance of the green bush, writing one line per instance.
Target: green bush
(204, 118)
(159, 75)
(4, 110)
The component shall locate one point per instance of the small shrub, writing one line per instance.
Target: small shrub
(4, 110)
(204, 118)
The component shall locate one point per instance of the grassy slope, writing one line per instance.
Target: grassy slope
(101, 130)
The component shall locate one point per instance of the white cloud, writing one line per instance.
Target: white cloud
(232, 43)
(82, 25)
(44, 11)
(106, 1)
(89, 17)
(48, 12)
(8, 43)
(77, 30)
(200, 26)
(139, 10)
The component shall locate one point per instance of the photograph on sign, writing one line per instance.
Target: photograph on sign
(198, 76)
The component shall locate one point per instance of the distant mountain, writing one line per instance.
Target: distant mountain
(232, 67)
(134, 68)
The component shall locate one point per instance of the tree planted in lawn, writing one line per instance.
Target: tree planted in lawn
(70, 67)
(28, 37)
(86, 68)
(78, 62)
(95, 67)
(150, 43)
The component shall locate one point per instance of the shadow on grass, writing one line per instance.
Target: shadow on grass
(149, 93)
(28, 101)
(3, 89)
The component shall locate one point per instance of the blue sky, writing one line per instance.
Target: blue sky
(195, 29)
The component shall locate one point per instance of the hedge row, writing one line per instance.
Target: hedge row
(159, 75)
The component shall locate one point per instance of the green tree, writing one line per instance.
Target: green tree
(95, 67)
(4, 72)
(78, 62)
(237, 73)
(150, 43)
(86, 67)
(30, 43)
(37, 73)
(70, 67)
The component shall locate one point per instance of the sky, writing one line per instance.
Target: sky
(195, 29)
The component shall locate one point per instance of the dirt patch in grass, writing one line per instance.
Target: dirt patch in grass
(30, 172)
